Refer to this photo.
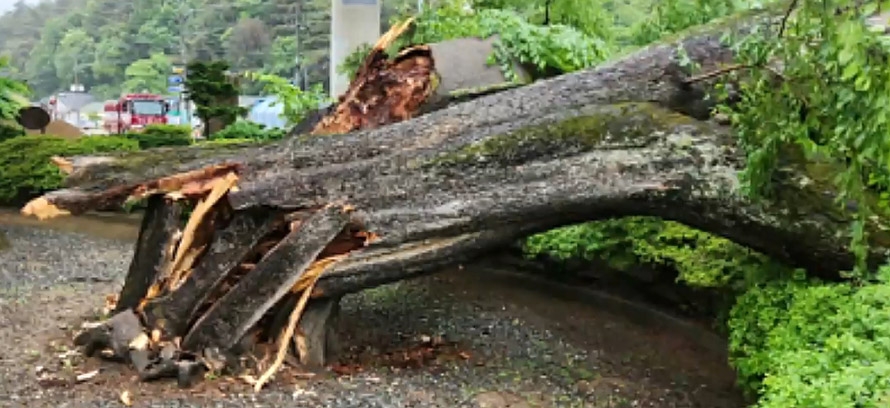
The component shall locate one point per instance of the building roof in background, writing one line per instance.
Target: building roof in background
(71, 100)
(267, 111)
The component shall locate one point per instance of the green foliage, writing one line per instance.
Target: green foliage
(296, 103)
(353, 61)
(225, 142)
(833, 109)
(700, 259)
(120, 33)
(148, 75)
(553, 48)
(811, 344)
(71, 55)
(12, 95)
(26, 167)
(244, 130)
(162, 135)
(214, 92)
(672, 16)
(10, 130)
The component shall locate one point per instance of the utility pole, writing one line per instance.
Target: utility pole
(299, 72)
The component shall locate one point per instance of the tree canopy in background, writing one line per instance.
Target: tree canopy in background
(101, 40)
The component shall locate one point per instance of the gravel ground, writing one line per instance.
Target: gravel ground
(462, 338)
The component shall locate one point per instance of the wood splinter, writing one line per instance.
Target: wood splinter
(183, 260)
(314, 273)
(186, 250)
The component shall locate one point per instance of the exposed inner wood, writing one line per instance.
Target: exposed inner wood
(186, 253)
(277, 265)
(383, 91)
(193, 183)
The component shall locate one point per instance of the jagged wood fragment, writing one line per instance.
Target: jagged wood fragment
(181, 262)
(160, 224)
(195, 181)
(172, 312)
(284, 339)
(230, 317)
(383, 91)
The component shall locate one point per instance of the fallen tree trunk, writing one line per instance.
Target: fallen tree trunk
(631, 137)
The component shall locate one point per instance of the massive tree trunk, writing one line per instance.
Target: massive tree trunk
(351, 211)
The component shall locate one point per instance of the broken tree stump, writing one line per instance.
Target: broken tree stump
(237, 311)
(172, 312)
(183, 324)
(419, 79)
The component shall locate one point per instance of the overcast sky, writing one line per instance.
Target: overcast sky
(6, 5)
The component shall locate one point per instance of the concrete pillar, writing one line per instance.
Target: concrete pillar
(353, 23)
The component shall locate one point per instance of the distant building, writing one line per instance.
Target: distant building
(267, 111)
(68, 106)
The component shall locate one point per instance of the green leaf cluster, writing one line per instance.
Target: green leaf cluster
(700, 259)
(296, 103)
(547, 50)
(813, 344)
(13, 94)
(243, 130)
(829, 102)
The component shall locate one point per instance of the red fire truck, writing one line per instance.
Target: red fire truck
(132, 112)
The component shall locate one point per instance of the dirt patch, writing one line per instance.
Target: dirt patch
(59, 128)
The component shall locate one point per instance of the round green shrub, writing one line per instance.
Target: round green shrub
(161, 136)
(26, 167)
(813, 344)
(244, 129)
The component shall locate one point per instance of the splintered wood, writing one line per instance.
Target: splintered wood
(186, 254)
(315, 271)
(274, 278)
(187, 248)
(191, 184)
(384, 91)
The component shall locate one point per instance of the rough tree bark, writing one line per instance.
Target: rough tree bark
(631, 137)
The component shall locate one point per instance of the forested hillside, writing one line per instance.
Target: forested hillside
(113, 46)
(107, 44)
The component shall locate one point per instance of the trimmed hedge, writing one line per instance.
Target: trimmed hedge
(162, 135)
(25, 163)
(243, 129)
(9, 131)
